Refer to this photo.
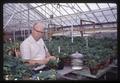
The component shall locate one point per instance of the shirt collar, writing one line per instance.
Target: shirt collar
(33, 40)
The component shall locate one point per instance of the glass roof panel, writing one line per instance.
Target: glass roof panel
(48, 9)
(39, 4)
(62, 10)
(114, 11)
(110, 18)
(53, 9)
(40, 10)
(72, 6)
(93, 6)
(10, 9)
(103, 5)
(68, 12)
(91, 17)
(84, 17)
(98, 14)
(107, 12)
(112, 4)
(76, 7)
(33, 4)
(101, 19)
(83, 6)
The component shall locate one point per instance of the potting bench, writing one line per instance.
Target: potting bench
(81, 74)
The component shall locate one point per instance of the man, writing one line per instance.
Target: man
(33, 49)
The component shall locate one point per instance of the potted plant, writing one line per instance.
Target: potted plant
(60, 64)
(15, 68)
(46, 75)
(92, 64)
(52, 64)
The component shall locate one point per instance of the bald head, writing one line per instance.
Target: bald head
(38, 26)
(38, 30)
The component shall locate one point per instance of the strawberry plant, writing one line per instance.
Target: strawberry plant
(99, 49)
(14, 67)
(46, 75)
(52, 64)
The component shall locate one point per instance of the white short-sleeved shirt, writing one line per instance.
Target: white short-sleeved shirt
(32, 49)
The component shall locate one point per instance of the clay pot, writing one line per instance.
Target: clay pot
(67, 61)
(93, 70)
(107, 62)
(101, 66)
(98, 66)
(111, 60)
(60, 64)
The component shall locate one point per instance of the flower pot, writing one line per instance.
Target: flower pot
(60, 65)
(93, 70)
(67, 61)
(107, 62)
(111, 60)
(98, 66)
(101, 66)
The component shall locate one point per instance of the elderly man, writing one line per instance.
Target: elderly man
(33, 49)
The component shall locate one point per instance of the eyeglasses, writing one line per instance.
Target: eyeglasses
(38, 31)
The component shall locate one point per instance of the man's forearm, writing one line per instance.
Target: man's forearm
(48, 54)
(32, 62)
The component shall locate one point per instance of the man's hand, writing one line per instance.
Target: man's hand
(52, 57)
(46, 60)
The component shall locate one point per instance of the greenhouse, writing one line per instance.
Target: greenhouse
(60, 41)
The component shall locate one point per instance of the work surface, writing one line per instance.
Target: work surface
(81, 73)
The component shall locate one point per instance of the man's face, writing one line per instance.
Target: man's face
(39, 33)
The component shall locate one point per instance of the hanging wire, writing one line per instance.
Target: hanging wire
(46, 35)
(28, 32)
(45, 12)
(59, 12)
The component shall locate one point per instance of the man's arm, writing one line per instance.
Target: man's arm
(32, 62)
(48, 54)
